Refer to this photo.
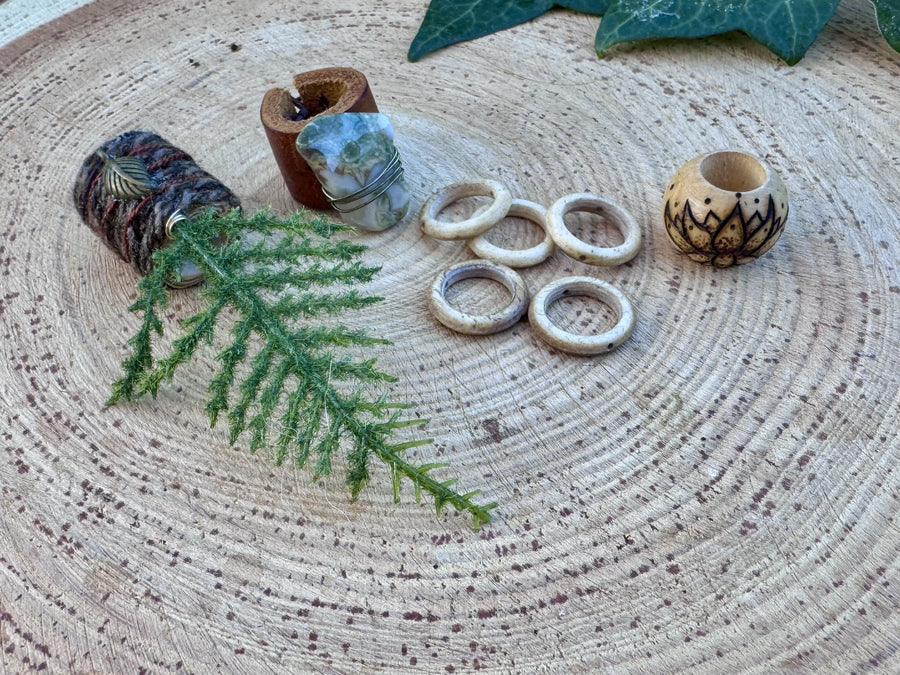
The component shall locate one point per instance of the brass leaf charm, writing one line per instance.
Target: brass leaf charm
(126, 177)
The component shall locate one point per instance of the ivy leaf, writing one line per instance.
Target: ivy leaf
(888, 12)
(786, 27)
(449, 21)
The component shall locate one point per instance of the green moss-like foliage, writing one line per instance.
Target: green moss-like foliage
(300, 373)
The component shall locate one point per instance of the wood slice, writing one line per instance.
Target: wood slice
(719, 494)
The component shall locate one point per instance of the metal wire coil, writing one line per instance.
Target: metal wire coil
(392, 172)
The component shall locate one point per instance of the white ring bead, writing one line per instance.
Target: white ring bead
(471, 227)
(474, 324)
(528, 257)
(573, 343)
(582, 251)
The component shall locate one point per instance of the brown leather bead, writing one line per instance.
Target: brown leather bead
(322, 92)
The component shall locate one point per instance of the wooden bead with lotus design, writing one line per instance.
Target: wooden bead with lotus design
(725, 208)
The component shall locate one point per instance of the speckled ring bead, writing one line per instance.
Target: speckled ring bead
(582, 251)
(528, 257)
(484, 324)
(471, 227)
(572, 343)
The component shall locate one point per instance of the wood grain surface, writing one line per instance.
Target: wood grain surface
(720, 494)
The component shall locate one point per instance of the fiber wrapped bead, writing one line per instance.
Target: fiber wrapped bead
(134, 227)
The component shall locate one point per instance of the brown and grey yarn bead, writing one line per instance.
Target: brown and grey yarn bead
(136, 227)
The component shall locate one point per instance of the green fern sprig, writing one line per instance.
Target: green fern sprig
(274, 288)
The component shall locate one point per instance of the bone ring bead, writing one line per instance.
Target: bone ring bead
(471, 227)
(572, 343)
(473, 324)
(518, 258)
(582, 251)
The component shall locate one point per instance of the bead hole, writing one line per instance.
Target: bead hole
(477, 295)
(594, 227)
(581, 314)
(315, 98)
(515, 233)
(733, 171)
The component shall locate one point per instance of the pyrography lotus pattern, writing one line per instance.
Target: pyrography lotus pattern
(724, 241)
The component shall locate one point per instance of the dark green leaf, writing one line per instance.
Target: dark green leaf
(787, 27)
(449, 21)
(888, 12)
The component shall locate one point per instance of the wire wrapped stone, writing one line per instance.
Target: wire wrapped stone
(391, 173)
(354, 158)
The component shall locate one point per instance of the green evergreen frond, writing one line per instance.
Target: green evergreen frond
(230, 357)
(267, 404)
(423, 468)
(360, 370)
(339, 337)
(249, 389)
(290, 422)
(200, 328)
(314, 304)
(265, 253)
(299, 280)
(150, 302)
(274, 275)
(358, 469)
(310, 431)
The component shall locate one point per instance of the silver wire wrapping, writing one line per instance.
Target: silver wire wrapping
(190, 274)
(391, 173)
(358, 165)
